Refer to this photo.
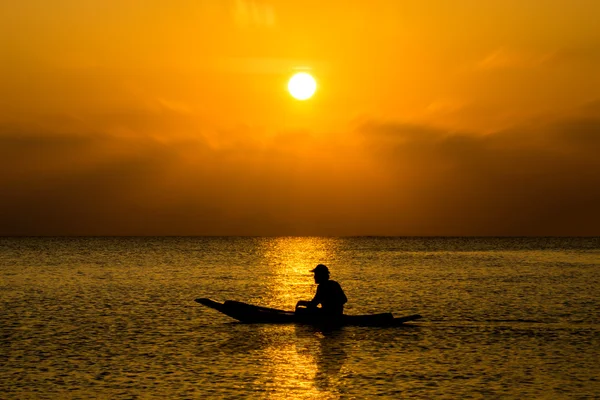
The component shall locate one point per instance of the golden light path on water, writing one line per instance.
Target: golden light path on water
(311, 364)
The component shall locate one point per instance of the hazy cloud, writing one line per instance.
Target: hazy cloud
(513, 58)
(169, 174)
(534, 181)
(253, 13)
(504, 58)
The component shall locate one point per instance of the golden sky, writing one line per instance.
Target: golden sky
(457, 117)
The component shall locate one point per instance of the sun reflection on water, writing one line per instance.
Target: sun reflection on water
(308, 362)
(302, 362)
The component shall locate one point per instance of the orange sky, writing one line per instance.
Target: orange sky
(172, 118)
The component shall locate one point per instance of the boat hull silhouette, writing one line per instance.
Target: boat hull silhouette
(248, 313)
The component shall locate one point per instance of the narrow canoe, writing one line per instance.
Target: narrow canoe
(249, 313)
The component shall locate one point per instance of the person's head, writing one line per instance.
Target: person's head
(321, 273)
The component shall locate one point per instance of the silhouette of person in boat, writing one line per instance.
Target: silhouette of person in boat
(330, 296)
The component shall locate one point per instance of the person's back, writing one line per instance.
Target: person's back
(331, 297)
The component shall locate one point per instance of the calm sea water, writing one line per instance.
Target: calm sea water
(115, 318)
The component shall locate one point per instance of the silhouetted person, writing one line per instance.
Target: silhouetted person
(329, 295)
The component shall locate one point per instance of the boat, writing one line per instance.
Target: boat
(251, 314)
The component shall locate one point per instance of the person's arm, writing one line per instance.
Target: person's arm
(311, 303)
(302, 303)
(317, 299)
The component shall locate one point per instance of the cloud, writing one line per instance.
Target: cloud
(160, 172)
(507, 58)
(574, 55)
(512, 58)
(530, 181)
(248, 13)
(163, 172)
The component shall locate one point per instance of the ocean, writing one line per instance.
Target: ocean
(95, 317)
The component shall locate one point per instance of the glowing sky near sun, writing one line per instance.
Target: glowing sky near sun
(430, 118)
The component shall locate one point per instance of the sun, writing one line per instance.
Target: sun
(302, 86)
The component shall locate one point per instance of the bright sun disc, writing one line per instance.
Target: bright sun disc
(302, 86)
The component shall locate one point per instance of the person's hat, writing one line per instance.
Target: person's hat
(320, 268)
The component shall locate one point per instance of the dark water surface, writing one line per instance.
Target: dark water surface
(115, 318)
